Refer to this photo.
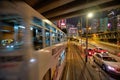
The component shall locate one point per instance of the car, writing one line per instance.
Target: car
(100, 50)
(118, 54)
(90, 52)
(107, 63)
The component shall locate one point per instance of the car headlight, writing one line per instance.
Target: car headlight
(111, 68)
(10, 46)
(32, 60)
(7, 46)
(106, 52)
(89, 52)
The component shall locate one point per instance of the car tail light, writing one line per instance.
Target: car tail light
(90, 53)
(118, 69)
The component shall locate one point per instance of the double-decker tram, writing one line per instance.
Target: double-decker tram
(31, 47)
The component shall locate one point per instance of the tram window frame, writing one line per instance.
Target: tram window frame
(37, 36)
(11, 24)
(37, 21)
(58, 37)
(47, 38)
(53, 38)
(47, 26)
(61, 37)
(54, 31)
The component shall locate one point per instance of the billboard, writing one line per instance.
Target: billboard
(73, 30)
(61, 23)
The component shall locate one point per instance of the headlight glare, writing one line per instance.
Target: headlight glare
(111, 68)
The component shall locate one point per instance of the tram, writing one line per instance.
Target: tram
(31, 47)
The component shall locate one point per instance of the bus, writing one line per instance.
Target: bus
(31, 46)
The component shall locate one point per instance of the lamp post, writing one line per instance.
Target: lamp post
(80, 28)
(89, 15)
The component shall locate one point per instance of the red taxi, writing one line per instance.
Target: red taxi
(100, 50)
(90, 52)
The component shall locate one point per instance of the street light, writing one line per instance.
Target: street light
(80, 29)
(89, 29)
(89, 15)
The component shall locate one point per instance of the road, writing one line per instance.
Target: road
(77, 69)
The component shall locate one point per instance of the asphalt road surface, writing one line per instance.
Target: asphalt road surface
(77, 69)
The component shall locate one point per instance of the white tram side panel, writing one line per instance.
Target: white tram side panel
(21, 58)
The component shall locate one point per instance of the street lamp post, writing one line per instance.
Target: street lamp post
(80, 29)
(89, 15)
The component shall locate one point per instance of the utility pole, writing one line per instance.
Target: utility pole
(89, 15)
(86, 50)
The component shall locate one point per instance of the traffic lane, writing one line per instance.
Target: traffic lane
(95, 75)
(80, 66)
(107, 46)
(67, 73)
(111, 50)
(76, 65)
(78, 70)
(96, 70)
(111, 76)
(103, 74)
(75, 68)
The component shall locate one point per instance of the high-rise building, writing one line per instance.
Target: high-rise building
(103, 24)
(118, 22)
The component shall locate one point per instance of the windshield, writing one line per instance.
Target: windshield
(109, 59)
(100, 48)
(89, 49)
(11, 31)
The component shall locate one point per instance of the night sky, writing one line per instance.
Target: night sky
(73, 21)
(98, 15)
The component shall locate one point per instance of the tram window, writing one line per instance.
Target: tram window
(53, 38)
(61, 37)
(53, 29)
(11, 32)
(37, 21)
(58, 38)
(47, 26)
(37, 38)
(47, 38)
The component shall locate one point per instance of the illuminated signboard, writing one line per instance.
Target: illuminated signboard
(72, 30)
